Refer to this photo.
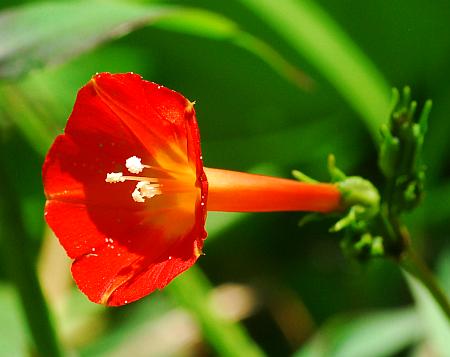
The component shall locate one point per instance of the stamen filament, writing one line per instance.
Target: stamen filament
(142, 178)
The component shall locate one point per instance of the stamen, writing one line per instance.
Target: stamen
(115, 177)
(141, 178)
(144, 189)
(147, 187)
(134, 165)
(137, 196)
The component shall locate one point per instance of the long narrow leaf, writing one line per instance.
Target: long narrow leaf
(51, 33)
(317, 37)
(54, 42)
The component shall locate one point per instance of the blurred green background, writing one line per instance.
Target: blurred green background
(278, 85)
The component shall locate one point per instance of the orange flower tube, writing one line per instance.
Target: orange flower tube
(242, 192)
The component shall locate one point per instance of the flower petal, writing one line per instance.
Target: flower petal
(122, 248)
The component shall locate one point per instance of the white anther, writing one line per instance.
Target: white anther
(137, 196)
(134, 165)
(115, 177)
(149, 190)
(144, 189)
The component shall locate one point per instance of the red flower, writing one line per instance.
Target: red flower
(127, 193)
(134, 236)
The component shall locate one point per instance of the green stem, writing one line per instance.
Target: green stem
(401, 250)
(17, 259)
(411, 262)
(414, 265)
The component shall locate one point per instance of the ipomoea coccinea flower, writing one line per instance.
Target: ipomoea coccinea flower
(127, 193)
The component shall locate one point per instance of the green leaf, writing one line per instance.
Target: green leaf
(434, 321)
(31, 40)
(317, 37)
(54, 42)
(376, 334)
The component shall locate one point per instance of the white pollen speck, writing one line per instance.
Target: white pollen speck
(111, 246)
(170, 257)
(134, 165)
(93, 249)
(110, 240)
(203, 203)
(114, 177)
(126, 301)
(106, 240)
(118, 254)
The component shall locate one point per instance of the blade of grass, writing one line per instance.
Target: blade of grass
(191, 290)
(318, 38)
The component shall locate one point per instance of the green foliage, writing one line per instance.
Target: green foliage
(54, 42)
